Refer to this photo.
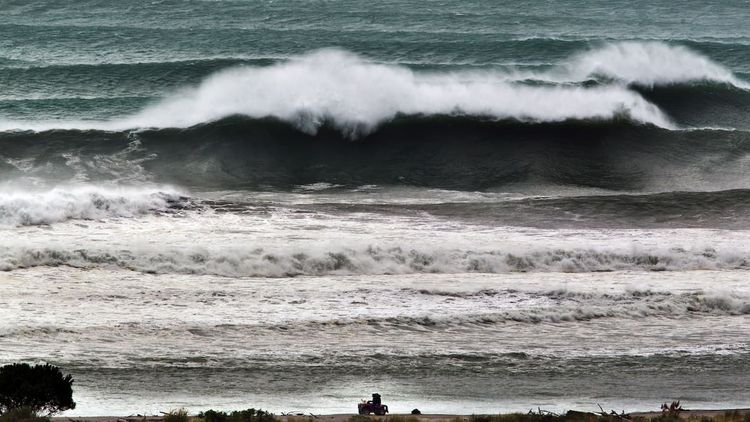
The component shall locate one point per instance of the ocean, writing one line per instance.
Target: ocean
(466, 206)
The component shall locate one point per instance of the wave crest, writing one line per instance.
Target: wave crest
(357, 95)
(648, 63)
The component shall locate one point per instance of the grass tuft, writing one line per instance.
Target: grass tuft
(22, 414)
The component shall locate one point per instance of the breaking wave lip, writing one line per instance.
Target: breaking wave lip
(642, 63)
(26, 208)
(371, 260)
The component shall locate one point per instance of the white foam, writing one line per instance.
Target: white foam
(20, 207)
(256, 261)
(354, 93)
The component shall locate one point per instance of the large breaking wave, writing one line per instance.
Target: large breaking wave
(603, 118)
(356, 95)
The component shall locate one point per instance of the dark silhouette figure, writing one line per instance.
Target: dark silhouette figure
(375, 406)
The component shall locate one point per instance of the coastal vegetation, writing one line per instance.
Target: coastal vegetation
(252, 415)
(32, 392)
(247, 415)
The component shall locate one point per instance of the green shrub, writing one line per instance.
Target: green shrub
(42, 389)
(248, 415)
(213, 416)
(177, 415)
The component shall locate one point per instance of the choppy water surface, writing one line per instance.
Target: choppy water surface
(466, 206)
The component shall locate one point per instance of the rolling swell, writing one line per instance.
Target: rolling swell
(464, 153)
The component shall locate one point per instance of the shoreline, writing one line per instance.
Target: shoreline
(343, 417)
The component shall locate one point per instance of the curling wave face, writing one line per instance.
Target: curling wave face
(446, 152)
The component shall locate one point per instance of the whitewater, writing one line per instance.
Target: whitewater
(469, 207)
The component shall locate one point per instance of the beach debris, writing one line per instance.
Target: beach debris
(293, 413)
(623, 416)
(542, 412)
(416, 412)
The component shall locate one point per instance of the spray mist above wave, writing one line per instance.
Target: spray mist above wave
(356, 95)
(642, 63)
(24, 208)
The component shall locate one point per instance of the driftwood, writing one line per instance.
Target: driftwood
(296, 413)
(541, 412)
(577, 415)
(622, 416)
(547, 412)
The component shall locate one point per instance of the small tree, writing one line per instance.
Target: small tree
(41, 388)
